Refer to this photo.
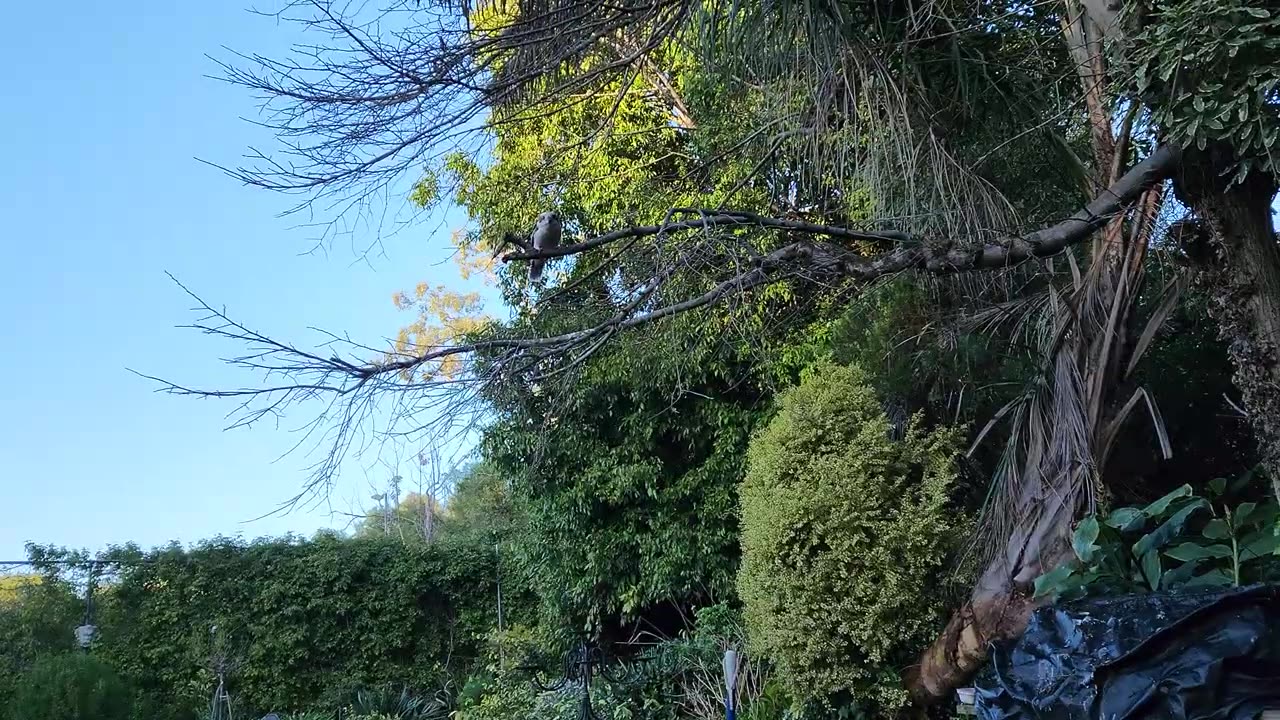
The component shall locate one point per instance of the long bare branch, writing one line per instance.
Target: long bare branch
(935, 256)
(352, 386)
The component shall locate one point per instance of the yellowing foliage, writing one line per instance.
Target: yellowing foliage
(11, 586)
(845, 533)
(444, 316)
(473, 259)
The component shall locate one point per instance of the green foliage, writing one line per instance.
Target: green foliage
(1179, 541)
(70, 687)
(36, 620)
(1211, 71)
(1187, 371)
(414, 516)
(304, 624)
(481, 509)
(627, 476)
(514, 696)
(625, 472)
(845, 532)
(916, 354)
(390, 703)
(502, 691)
(694, 662)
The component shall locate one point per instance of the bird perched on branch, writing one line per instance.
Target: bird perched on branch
(546, 236)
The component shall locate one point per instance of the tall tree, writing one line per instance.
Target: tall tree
(933, 117)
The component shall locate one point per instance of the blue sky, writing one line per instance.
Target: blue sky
(106, 108)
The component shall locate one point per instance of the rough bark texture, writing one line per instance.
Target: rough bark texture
(998, 609)
(1243, 280)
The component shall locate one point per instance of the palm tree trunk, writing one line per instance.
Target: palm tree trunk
(1001, 603)
(1065, 432)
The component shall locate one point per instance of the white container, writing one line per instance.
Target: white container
(84, 635)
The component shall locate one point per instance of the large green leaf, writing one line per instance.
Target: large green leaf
(1161, 506)
(1126, 519)
(1053, 582)
(1151, 568)
(1243, 513)
(1265, 515)
(1170, 529)
(1217, 529)
(1189, 551)
(1083, 541)
(1213, 578)
(1179, 575)
(1262, 543)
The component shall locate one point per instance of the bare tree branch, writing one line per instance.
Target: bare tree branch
(915, 253)
(352, 387)
(388, 93)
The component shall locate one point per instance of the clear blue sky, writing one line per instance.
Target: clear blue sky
(106, 106)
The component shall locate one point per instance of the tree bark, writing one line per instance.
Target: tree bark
(1000, 605)
(1244, 286)
(1062, 462)
(1243, 282)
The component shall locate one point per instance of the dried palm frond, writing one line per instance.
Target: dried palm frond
(1064, 426)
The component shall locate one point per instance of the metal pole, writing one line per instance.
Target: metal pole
(497, 560)
(730, 683)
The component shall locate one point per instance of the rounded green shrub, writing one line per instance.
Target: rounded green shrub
(70, 687)
(845, 535)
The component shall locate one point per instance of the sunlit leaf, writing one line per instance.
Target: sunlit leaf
(1126, 519)
(1159, 507)
(1161, 536)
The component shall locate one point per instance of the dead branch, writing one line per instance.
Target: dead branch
(394, 88)
(351, 387)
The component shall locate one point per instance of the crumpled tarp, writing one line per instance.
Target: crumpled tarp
(1211, 655)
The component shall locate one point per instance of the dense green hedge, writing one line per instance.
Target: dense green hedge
(845, 533)
(71, 686)
(36, 621)
(302, 623)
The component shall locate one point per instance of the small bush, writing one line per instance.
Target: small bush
(503, 691)
(392, 703)
(70, 687)
(845, 532)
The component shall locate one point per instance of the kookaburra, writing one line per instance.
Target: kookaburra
(546, 236)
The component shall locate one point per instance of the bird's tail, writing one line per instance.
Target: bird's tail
(535, 270)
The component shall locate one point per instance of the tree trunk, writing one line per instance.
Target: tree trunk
(1067, 436)
(1244, 285)
(1000, 606)
(1243, 282)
